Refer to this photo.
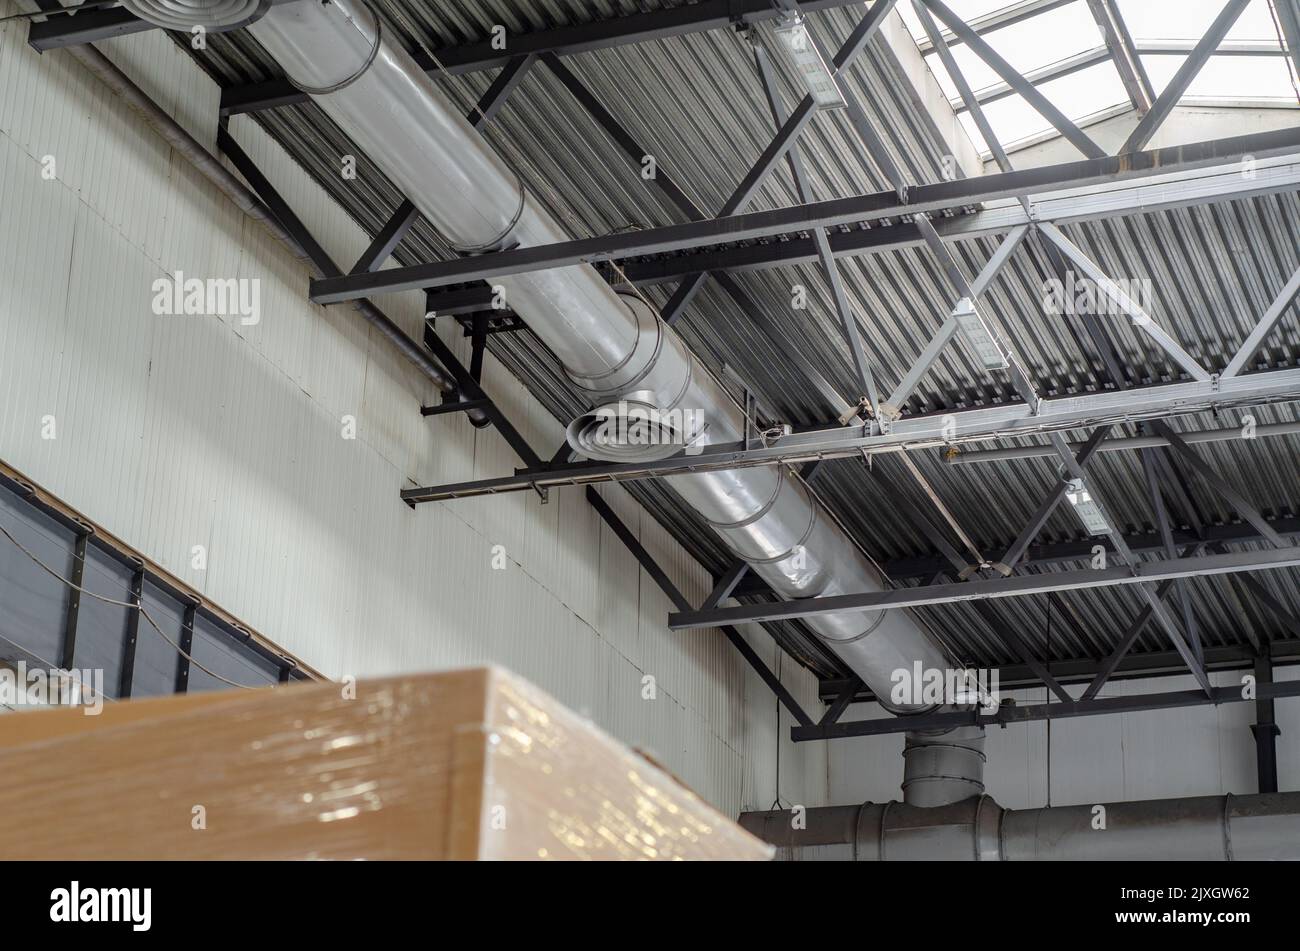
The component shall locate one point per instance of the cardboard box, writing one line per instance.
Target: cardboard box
(461, 765)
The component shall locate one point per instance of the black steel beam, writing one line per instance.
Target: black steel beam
(835, 212)
(89, 26)
(186, 645)
(1081, 670)
(1009, 713)
(777, 148)
(1015, 586)
(69, 655)
(620, 136)
(472, 391)
(666, 585)
(454, 406)
(1265, 729)
(1130, 636)
(388, 238)
(841, 703)
(506, 82)
(1221, 485)
(726, 584)
(561, 41)
(132, 635)
(957, 565)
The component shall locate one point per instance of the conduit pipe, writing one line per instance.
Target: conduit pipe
(614, 347)
(1205, 828)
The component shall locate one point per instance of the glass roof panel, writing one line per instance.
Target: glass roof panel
(1228, 77)
(1047, 38)
(1056, 35)
(1079, 95)
(1189, 19)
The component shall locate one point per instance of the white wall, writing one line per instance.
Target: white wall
(1189, 751)
(181, 431)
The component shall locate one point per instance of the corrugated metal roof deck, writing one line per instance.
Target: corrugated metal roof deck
(695, 102)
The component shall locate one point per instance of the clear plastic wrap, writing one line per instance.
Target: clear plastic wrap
(465, 764)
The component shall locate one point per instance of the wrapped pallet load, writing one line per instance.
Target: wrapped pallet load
(469, 764)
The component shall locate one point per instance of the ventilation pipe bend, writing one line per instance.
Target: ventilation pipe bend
(614, 347)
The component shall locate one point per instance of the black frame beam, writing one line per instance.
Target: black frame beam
(938, 196)
(1015, 586)
(1082, 670)
(1009, 713)
(560, 41)
(1265, 729)
(68, 657)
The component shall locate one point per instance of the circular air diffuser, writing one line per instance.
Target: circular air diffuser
(213, 15)
(630, 431)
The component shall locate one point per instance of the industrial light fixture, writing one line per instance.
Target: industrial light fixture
(977, 333)
(1089, 512)
(816, 74)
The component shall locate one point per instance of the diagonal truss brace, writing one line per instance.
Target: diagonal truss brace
(1141, 319)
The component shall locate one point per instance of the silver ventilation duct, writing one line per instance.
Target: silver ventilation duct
(653, 396)
(1204, 828)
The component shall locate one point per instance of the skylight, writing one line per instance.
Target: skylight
(1063, 52)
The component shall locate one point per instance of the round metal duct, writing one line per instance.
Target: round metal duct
(213, 15)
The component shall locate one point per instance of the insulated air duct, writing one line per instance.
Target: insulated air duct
(1204, 828)
(653, 396)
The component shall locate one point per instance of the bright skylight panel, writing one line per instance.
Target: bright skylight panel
(1189, 19)
(1228, 77)
(1047, 38)
(1079, 95)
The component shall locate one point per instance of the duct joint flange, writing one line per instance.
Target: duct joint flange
(592, 383)
(871, 629)
(759, 512)
(502, 242)
(774, 559)
(361, 70)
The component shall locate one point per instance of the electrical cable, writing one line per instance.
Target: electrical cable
(125, 604)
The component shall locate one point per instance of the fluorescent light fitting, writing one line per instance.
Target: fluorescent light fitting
(978, 336)
(814, 71)
(1088, 511)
